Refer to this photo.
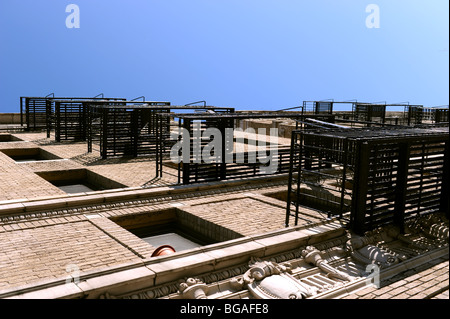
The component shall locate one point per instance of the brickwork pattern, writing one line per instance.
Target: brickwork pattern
(99, 242)
(39, 248)
(135, 174)
(427, 281)
(48, 166)
(34, 251)
(17, 182)
(236, 215)
(125, 238)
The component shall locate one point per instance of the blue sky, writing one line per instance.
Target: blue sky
(247, 54)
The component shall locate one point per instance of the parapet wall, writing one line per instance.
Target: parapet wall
(9, 118)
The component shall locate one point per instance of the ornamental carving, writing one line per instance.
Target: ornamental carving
(269, 280)
(193, 288)
(369, 249)
(313, 256)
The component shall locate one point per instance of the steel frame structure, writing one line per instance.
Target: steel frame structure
(318, 107)
(71, 117)
(369, 112)
(436, 114)
(123, 129)
(413, 114)
(197, 170)
(133, 128)
(38, 113)
(370, 176)
(366, 113)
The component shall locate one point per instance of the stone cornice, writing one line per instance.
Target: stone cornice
(17, 211)
(217, 261)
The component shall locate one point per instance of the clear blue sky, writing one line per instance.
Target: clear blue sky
(247, 54)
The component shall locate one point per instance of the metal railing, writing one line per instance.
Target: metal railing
(373, 176)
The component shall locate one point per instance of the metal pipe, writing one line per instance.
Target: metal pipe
(143, 98)
(204, 103)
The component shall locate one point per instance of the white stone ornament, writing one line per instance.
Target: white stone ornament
(269, 280)
(193, 288)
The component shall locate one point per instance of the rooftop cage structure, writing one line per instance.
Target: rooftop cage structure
(71, 118)
(441, 115)
(123, 130)
(361, 114)
(369, 112)
(357, 113)
(369, 176)
(210, 147)
(133, 128)
(318, 107)
(413, 114)
(437, 114)
(38, 113)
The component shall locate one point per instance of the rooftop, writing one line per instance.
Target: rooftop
(96, 241)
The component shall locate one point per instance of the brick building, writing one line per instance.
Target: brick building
(74, 225)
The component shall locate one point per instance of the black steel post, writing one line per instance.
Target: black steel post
(223, 164)
(187, 166)
(301, 145)
(48, 116)
(104, 135)
(409, 115)
(135, 130)
(21, 111)
(27, 112)
(401, 185)
(157, 141)
(291, 167)
(84, 121)
(161, 146)
(344, 175)
(58, 121)
(34, 114)
(179, 139)
(358, 212)
(369, 114)
(89, 127)
(445, 198)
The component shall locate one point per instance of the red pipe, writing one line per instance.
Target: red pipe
(163, 250)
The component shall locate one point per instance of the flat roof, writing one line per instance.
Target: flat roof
(245, 115)
(382, 133)
(161, 106)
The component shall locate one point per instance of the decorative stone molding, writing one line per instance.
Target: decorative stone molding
(174, 287)
(193, 288)
(284, 276)
(369, 249)
(269, 280)
(261, 269)
(313, 256)
(224, 274)
(432, 226)
(77, 208)
(154, 293)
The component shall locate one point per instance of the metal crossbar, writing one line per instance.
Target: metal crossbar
(38, 113)
(195, 170)
(377, 175)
